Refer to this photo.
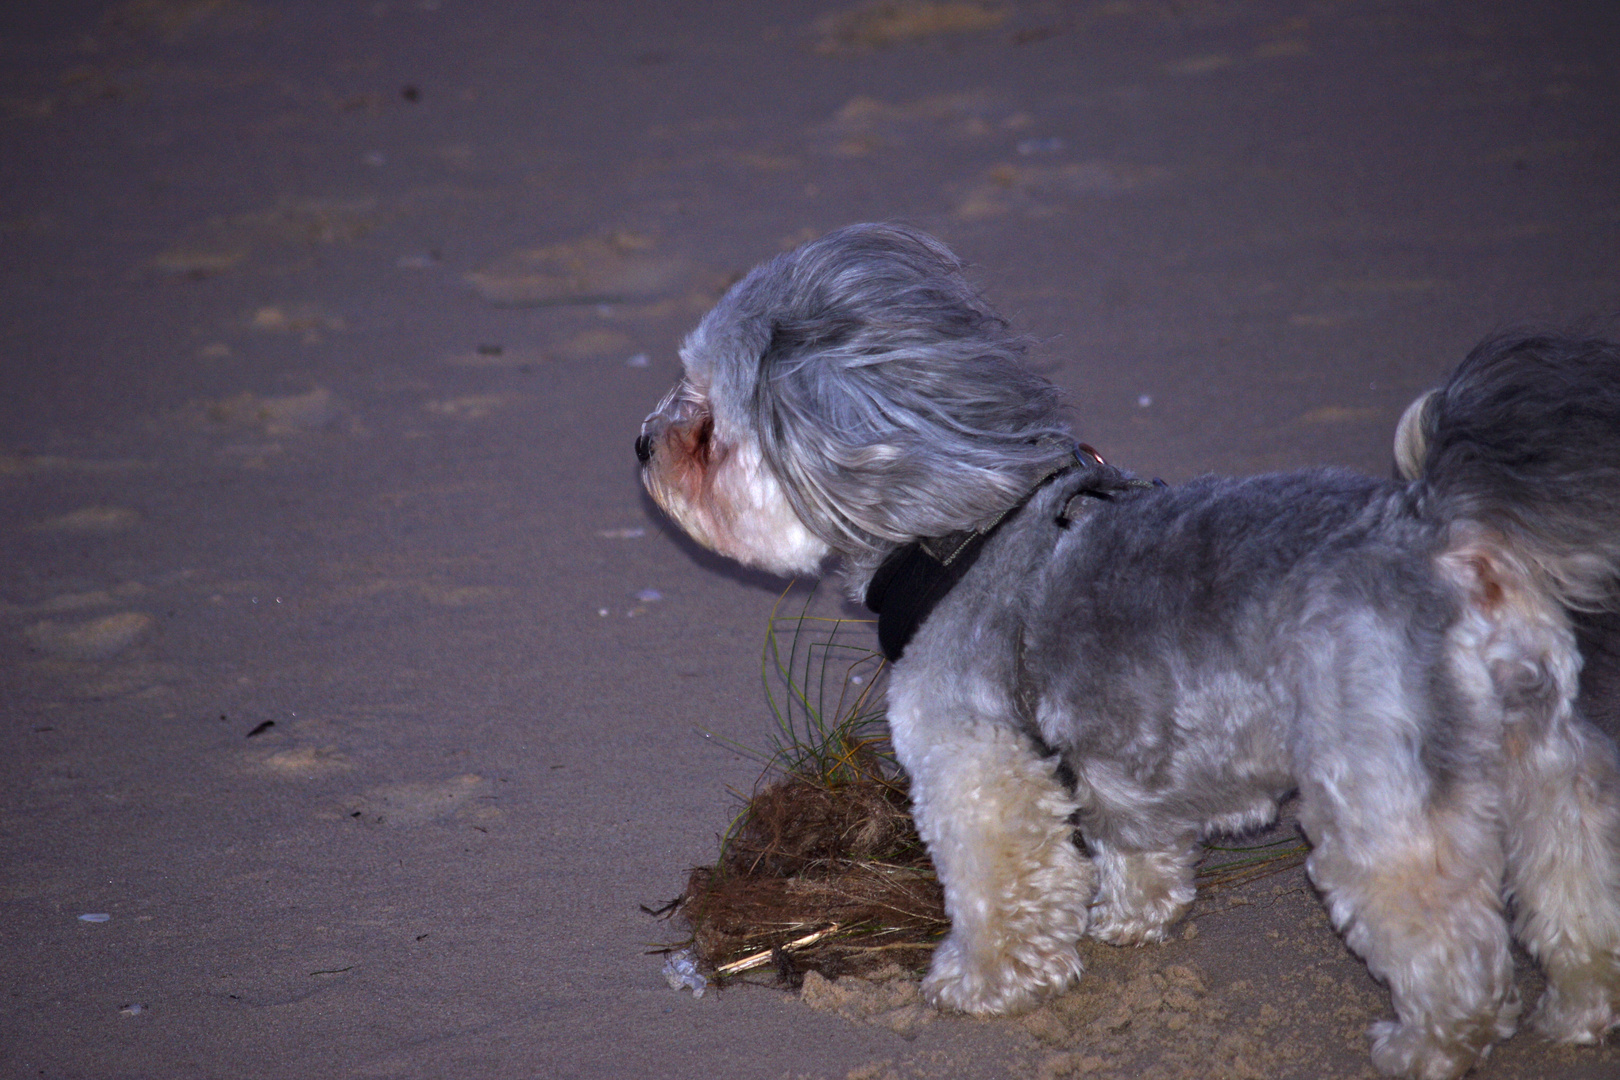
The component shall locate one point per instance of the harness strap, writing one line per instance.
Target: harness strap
(917, 576)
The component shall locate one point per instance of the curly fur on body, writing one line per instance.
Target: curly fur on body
(1161, 664)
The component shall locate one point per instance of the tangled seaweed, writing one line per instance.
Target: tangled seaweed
(817, 878)
(823, 869)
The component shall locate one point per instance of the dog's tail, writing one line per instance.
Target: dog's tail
(1522, 446)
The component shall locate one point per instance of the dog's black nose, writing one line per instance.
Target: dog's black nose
(644, 448)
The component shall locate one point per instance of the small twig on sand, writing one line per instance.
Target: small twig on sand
(760, 959)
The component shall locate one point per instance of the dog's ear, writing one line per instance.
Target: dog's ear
(830, 329)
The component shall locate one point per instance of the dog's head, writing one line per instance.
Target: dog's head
(853, 394)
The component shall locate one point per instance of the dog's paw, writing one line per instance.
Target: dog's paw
(1414, 1052)
(1405, 1051)
(960, 982)
(1139, 896)
(1581, 1017)
(1116, 930)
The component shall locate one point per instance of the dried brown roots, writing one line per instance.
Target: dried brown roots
(808, 857)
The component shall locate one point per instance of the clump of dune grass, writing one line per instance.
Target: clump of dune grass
(822, 870)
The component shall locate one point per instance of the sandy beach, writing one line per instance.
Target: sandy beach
(355, 701)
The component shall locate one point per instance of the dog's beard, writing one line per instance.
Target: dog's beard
(736, 507)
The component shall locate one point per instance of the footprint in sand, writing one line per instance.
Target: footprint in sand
(97, 639)
(290, 226)
(418, 803)
(306, 762)
(865, 125)
(1040, 190)
(92, 519)
(613, 268)
(287, 414)
(886, 25)
(470, 407)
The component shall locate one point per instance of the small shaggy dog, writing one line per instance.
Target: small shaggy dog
(1078, 649)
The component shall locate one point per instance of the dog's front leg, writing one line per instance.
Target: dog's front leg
(997, 822)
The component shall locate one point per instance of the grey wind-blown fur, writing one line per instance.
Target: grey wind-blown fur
(1155, 665)
(892, 399)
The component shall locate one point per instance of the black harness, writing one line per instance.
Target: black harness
(916, 576)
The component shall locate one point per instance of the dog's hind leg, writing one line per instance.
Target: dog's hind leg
(996, 820)
(1415, 887)
(1560, 783)
(1563, 827)
(1140, 894)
